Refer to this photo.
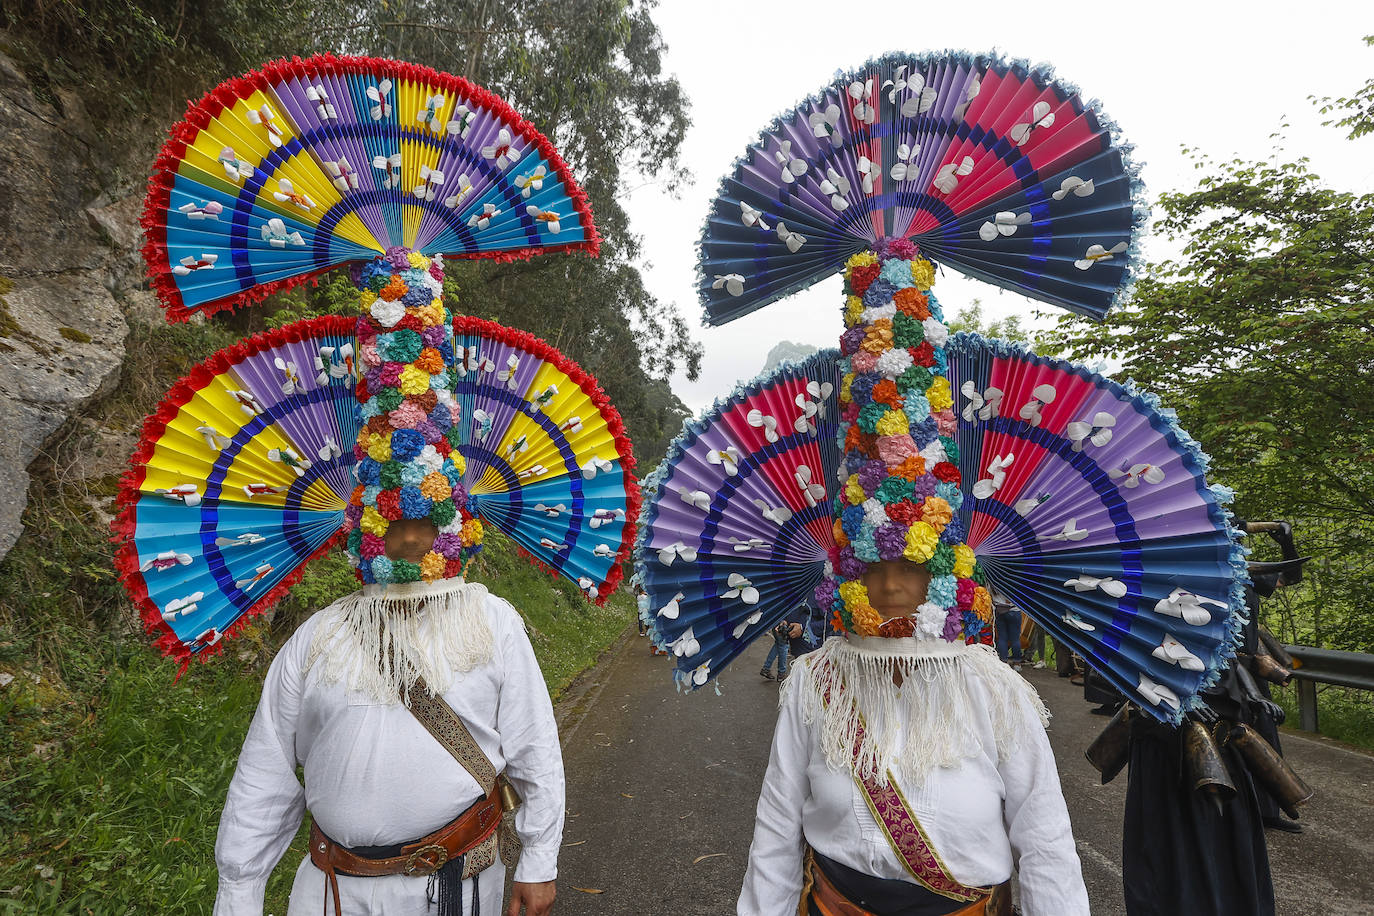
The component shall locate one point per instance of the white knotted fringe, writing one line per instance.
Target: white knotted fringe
(380, 640)
(932, 720)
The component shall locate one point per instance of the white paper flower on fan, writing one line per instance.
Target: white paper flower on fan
(593, 466)
(380, 97)
(1109, 585)
(686, 645)
(728, 458)
(732, 283)
(701, 673)
(1132, 476)
(1188, 607)
(1175, 653)
(947, 178)
(1004, 223)
(671, 609)
(747, 545)
(1078, 623)
(1097, 253)
(676, 550)
(812, 405)
(760, 420)
(778, 515)
(986, 487)
(792, 167)
(503, 151)
(1075, 186)
(1040, 396)
(1040, 117)
(983, 406)
(865, 111)
(697, 499)
(793, 240)
(922, 98)
(811, 491)
(837, 186)
(825, 123)
(1070, 532)
(867, 171)
(740, 587)
(751, 217)
(905, 168)
(1097, 432)
(1157, 693)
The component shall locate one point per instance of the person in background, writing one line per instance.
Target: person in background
(1008, 622)
(781, 634)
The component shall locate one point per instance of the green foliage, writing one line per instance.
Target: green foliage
(1343, 714)
(1260, 335)
(970, 319)
(115, 772)
(1355, 112)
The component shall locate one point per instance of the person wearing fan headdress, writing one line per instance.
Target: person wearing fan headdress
(414, 707)
(910, 771)
(341, 696)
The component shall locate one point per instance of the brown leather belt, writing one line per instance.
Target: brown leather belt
(418, 859)
(817, 889)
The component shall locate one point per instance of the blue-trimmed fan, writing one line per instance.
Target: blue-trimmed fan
(1084, 502)
(993, 168)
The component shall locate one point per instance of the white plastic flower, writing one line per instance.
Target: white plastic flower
(930, 621)
(935, 331)
(892, 363)
(388, 313)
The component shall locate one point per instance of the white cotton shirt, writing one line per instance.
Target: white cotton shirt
(982, 818)
(375, 777)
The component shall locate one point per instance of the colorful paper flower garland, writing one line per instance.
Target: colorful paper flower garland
(899, 480)
(408, 461)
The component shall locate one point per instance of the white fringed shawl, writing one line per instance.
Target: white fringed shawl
(429, 629)
(930, 721)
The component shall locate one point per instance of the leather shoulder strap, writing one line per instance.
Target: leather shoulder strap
(439, 719)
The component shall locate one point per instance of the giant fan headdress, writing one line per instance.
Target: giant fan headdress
(331, 429)
(992, 468)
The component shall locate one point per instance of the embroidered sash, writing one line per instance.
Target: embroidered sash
(904, 832)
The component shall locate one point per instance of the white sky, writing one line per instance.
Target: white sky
(1218, 76)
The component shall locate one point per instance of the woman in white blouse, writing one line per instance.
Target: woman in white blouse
(909, 776)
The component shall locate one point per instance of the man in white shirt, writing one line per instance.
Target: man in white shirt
(375, 778)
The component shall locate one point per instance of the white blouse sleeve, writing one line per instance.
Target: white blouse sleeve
(1037, 822)
(773, 879)
(534, 760)
(266, 801)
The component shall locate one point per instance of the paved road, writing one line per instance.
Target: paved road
(661, 792)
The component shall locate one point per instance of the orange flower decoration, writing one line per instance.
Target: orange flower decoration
(855, 438)
(394, 290)
(841, 539)
(912, 467)
(911, 301)
(430, 360)
(885, 392)
(878, 339)
(435, 486)
(935, 512)
(357, 499)
(866, 620)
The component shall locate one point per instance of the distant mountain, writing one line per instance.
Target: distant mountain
(787, 351)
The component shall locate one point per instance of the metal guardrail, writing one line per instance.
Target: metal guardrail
(1313, 666)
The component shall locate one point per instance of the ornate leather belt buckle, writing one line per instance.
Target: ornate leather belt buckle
(426, 861)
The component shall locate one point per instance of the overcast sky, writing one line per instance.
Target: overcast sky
(1218, 76)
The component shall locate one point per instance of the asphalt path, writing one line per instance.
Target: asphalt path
(662, 787)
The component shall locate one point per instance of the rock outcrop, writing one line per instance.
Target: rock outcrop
(68, 254)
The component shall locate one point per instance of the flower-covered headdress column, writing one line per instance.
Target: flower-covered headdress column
(899, 480)
(408, 462)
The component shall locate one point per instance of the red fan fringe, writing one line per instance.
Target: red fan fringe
(130, 486)
(200, 114)
(537, 347)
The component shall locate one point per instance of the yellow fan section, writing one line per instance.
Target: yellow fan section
(189, 447)
(589, 438)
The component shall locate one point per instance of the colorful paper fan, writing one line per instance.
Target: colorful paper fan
(738, 525)
(995, 169)
(245, 469)
(309, 164)
(1084, 502)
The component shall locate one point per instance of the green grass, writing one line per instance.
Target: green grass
(1343, 714)
(113, 774)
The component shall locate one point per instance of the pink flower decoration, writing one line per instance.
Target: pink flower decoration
(370, 355)
(864, 361)
(391, 374)
(945, 422)
(372, 546)
(894, 449)
(408, 416)
(964, 595)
